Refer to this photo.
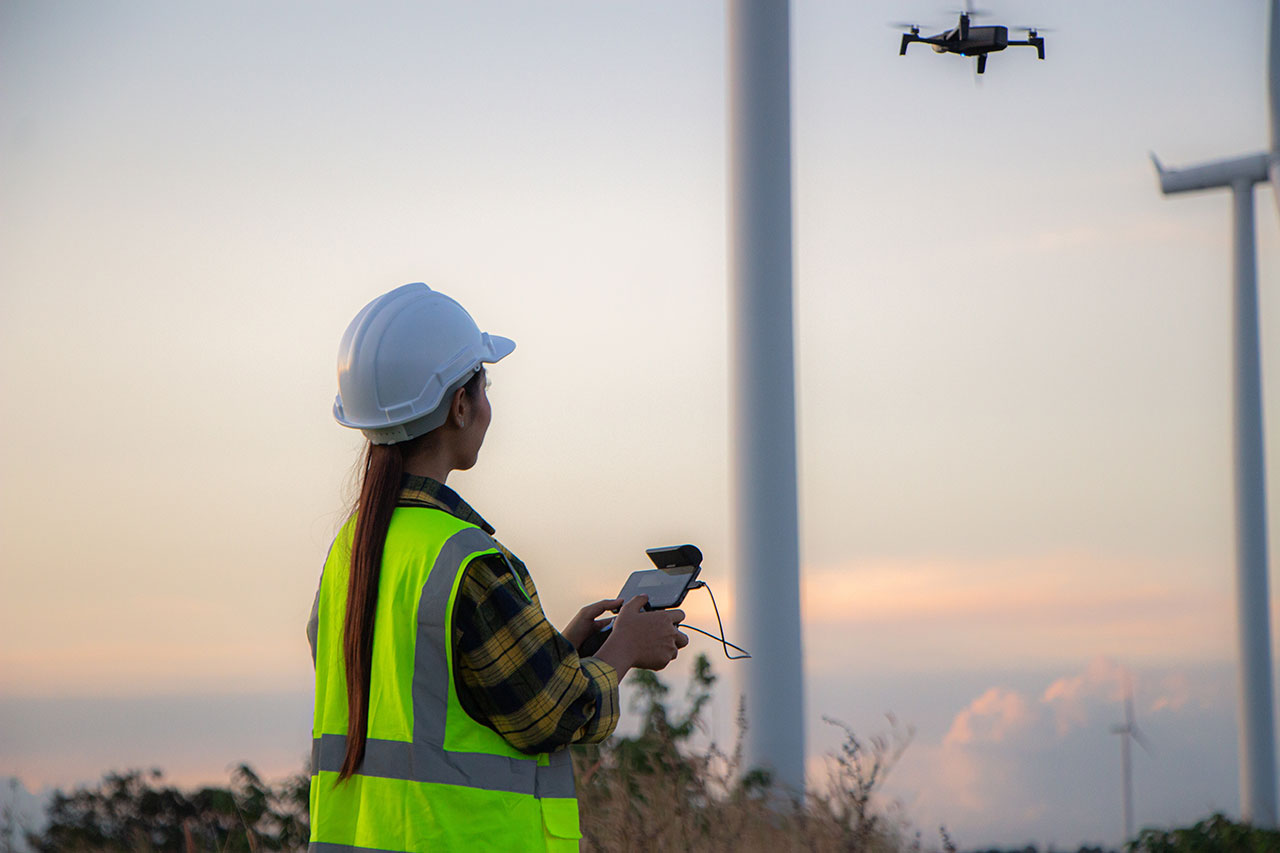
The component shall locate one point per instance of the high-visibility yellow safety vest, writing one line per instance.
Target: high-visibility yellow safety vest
(432, 777)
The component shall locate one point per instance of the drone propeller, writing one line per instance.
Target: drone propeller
(904, 25)
(1033, 31)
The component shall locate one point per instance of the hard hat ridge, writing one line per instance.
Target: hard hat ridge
(404, 355)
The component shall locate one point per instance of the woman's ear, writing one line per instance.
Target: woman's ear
(459, 408)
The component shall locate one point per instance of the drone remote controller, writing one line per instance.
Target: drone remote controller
(666, 585)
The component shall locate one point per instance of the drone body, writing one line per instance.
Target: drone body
(969, 40)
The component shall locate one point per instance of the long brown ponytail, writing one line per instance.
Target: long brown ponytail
(379, 492)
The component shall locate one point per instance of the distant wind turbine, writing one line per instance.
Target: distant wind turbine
(1257, 723)
(1129, 732)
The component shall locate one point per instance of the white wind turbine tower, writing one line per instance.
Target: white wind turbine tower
(766, 522)
(1257, 724)
(1128, 731)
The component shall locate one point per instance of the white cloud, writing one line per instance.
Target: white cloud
(1020, 762)
(992, 717)
(1173, 693)
(1068, 697)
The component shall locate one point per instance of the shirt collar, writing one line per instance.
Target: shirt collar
(424, 491)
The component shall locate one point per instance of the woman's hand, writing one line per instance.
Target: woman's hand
(588, 621)
(647, 639)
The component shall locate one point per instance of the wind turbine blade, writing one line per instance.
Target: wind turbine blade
(1141, 740)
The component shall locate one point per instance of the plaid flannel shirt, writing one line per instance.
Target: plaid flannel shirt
(512, 669)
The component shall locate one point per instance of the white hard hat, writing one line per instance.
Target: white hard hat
(400, 357)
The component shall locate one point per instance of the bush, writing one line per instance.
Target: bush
(1213, 834)
(136, 812)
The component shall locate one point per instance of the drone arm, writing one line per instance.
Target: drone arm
(907, 38)
(1035, 41)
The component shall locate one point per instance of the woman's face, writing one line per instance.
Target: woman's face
(477, 424)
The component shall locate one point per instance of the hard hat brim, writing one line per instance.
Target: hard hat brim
(499, 348)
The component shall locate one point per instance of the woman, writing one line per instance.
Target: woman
(445, 700)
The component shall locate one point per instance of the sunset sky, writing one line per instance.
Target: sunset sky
(1013, 361)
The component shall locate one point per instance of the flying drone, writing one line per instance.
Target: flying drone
(968, 40)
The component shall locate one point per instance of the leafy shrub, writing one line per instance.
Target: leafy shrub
(136, 812)
(1211, 835)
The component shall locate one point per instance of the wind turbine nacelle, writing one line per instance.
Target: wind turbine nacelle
(1219, 173)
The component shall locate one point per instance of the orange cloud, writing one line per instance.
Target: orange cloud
(1044, 609)
(1042, 584)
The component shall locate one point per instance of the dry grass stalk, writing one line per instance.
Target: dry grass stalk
(653, 793)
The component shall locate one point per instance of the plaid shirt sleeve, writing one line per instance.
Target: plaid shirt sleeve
(519, 675)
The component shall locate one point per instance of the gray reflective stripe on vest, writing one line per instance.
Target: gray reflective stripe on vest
(431, 684)
(396, 759)
(424, 760)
